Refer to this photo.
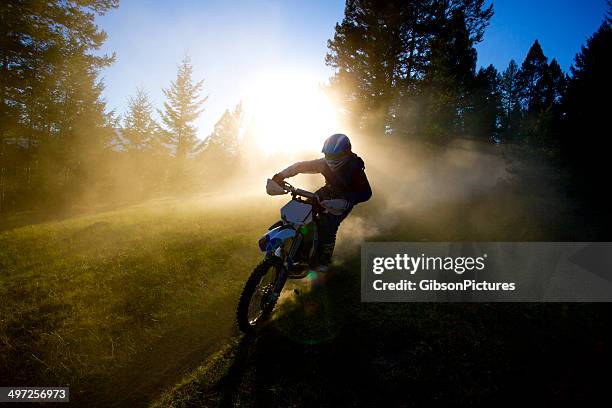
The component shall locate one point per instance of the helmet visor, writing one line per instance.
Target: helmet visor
(335, 156)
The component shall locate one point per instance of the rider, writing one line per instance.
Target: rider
(345, 185)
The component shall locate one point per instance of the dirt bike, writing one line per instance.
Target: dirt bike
(290, 249)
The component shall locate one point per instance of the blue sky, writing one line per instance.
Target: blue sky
(234, 43)
(561, 27)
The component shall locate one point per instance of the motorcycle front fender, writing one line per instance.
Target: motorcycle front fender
(274, 239)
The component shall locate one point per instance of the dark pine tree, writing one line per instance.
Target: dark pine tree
(52, 115)
(510, 89)
(484, 118)
(533, 69)
(365, 52)
(555, 83)
(381, 51)
(586, 141)
(548, 126)
(448, 78)
(535, 81)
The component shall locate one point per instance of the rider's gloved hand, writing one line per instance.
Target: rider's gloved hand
(278, 179)
(336, 206)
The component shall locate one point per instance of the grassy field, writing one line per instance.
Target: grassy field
(324, 348)
(134, 305)
(125, 300)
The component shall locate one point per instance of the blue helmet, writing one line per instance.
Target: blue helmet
(337, 144)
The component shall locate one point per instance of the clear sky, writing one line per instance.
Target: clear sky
(232, 44)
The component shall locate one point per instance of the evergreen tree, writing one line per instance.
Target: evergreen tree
(448, 77)
(365, 52)
(219, 154)
(554, 83)
(223, 142)
(533, 70)
(143, 155)
(547, 128)
(510, 92)
(50, 97)
(82, 128)
(183, 107)
(535, 80)
(382, 49)
(586, 142)
(485, 113)
(37, 40)
(140, 131)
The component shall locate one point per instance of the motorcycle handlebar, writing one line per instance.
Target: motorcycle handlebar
(312, 197)
(304, 193)
(298, 191)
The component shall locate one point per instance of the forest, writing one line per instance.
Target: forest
(403, 70)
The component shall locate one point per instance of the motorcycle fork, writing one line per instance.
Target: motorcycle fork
(315, 241)
(282, 278)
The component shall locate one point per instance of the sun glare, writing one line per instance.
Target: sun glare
(290, 113)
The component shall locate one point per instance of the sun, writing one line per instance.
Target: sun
(289, 112)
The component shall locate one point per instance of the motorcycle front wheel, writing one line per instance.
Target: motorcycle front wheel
(257, 299)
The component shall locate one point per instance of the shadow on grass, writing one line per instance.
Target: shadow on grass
(230, 383)
(326, 348)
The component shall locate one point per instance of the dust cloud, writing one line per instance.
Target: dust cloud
(417, 186)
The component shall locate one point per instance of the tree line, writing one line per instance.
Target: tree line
(401, 69)
(408, 69)
(58, 141)
(167, 155)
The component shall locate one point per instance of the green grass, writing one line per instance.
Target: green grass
(94, 301)
(125, 304)
(325, 348)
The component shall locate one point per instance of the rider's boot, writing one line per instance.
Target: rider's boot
(324, 258)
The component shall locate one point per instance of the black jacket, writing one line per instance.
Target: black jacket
(349, 181)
